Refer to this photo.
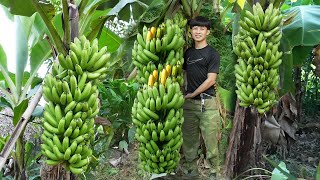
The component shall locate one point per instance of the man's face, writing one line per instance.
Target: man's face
(199, 33)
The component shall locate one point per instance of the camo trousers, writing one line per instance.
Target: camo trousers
(206, 124)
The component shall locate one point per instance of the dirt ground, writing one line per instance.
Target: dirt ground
(302, 159)
(304, 154)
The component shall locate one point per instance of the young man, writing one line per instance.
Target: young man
(201, 113)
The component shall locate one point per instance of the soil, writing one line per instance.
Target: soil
(304, 154)
(302, 159)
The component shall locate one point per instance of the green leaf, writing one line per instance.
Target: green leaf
(4, 102)
(285, 70)
(4, 72)
(123, 145)
(39, 53)
(19, 110)
(306, 2)
(37, 112)
(302, 25)
(316, 2)
(300, 53)
(227, 98)
(3, 59)
(152, 13)
(57, 22)
(131, 133)
(291, 177)
(277, 175)
(241, 3)
(110, 39)
(86, 19)
(24, 25)
(21, 7)
(115, 10)
(5, 2)
(38, 30)
(28, 150)
(25, 7)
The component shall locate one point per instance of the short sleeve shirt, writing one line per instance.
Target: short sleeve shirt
(198, 63)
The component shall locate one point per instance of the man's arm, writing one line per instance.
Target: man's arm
(210, 81)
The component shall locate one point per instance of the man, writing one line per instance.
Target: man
(201, 113)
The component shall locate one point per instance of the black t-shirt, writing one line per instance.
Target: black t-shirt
(198, 63)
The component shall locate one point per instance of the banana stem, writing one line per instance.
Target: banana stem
(20, 157)
(65, 9)
(56, 38)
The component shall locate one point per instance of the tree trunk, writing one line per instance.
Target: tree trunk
(297, 80)
(56, 173)
(244, 147)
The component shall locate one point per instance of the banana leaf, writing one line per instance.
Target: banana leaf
(302, 25)
(228, 99)
(25, 7)
(301, 31)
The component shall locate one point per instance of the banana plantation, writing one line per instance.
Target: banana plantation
(97, 90)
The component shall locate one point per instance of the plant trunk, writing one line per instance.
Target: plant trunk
(298, 94)
(244, 147)
(19, 158)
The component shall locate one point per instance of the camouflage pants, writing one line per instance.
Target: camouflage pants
(206, 124)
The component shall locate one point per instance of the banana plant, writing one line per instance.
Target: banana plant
(36, 19)
(17, 85)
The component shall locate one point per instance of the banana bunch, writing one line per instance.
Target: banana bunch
(180, 20)
(157, 110)
(257, 45)
(158, 115)
(72, 104)
(155, 46)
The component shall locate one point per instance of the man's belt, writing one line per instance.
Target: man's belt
(203, 96)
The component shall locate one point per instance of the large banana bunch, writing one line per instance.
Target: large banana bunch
(257, 45)
(72, 103)
(157, 110)
(157, 47)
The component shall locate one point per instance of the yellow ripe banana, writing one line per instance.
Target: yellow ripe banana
(153, 30)
(164, 75)
(149, 36)
(151, 80)
(168, 69)
(155, 74)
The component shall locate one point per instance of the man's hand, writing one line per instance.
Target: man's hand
(189, 96)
